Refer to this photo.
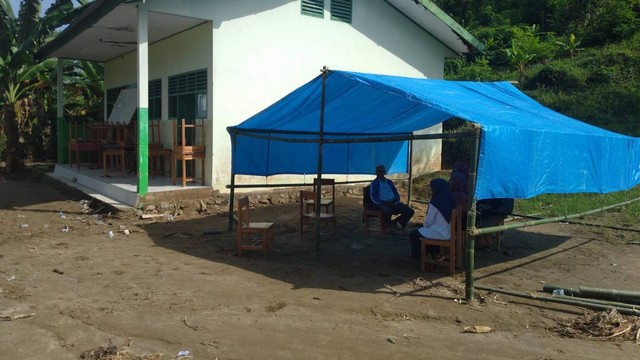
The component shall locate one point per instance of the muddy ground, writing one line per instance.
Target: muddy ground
(159, 288)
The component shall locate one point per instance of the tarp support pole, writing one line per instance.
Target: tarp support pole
(410, 191)
(487, 230)
(564, 300)
(233, 179)
(325, 72)
(471, 213)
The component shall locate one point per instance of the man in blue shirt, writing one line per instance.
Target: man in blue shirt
(385, 198)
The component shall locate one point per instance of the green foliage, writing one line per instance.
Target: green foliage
(557, 75)
(456, 149)
(3, 142)
(552, 205)
(580, 58)
(612, 22)
(478, 70)
(570, 46)
(26, 85)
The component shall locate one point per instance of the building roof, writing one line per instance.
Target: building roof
(107, 29)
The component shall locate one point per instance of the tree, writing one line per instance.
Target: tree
(20, 39)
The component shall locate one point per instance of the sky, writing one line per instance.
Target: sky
(15, 4)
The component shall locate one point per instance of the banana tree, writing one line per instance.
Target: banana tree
(519, 55)
(20, 39)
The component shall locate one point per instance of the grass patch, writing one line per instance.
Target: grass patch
(553, 205)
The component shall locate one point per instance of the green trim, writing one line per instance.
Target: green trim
(92, 14)
(143, 151)
(457, 28)
(472, 42)
(63, 140)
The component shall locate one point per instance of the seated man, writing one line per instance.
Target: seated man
(385, 198)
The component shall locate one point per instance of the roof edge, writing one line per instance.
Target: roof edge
(93, 13)
(465, 35)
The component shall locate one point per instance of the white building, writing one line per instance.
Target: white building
(225, 60)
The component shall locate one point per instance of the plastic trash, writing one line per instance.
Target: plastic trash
(110, 234)
(559, 292)
(183, 353)
(64, 229)
(24, 226)
(62, 215)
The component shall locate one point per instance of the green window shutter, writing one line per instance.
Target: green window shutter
(155, 88)
(112, 96)
(313, 8)
(155, 99)
(341, 10)
(194, 82)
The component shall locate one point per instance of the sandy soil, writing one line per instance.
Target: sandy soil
(67, 288)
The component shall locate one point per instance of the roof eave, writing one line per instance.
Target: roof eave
(457, 38)
(93, 13)
(473, 43)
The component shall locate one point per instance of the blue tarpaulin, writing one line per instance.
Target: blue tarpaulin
(526, 149)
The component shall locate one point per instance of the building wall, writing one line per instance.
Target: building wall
(259, 51)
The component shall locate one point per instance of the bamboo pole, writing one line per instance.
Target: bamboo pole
(325, 72)
(410, 189)
(592, 305)
(609, 294)
(601, 302)
(567, 291)
(471, 214)
(234, 137)
(581, 223)
(479, 231)
(369, 139)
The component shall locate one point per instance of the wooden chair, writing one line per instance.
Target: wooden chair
(83, 139)
(325, 202)
(187, 147)
(157, 151)
(307, 216)
(368, 211)
(121, 139)
(247, 231)
(453, 245)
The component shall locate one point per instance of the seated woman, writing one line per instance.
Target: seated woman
(437, 220)
(458, 184)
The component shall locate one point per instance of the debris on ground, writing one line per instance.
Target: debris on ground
(605, 325)
(112, 352)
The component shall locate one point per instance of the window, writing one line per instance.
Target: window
(313, 8)
(187, 95)
(112, 96)
(341, 10)
(155, 99)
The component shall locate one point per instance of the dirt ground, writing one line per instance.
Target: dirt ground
(69, 291)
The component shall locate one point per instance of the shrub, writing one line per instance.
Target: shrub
(557, 75)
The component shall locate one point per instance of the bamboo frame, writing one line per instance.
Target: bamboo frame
(471, 230)
(479, 231)
(589, 304)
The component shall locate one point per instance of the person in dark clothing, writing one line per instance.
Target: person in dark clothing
(385, 197)
(437, 222)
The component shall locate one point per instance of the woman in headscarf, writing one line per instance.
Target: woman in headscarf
(437, 220)
(458, 184)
